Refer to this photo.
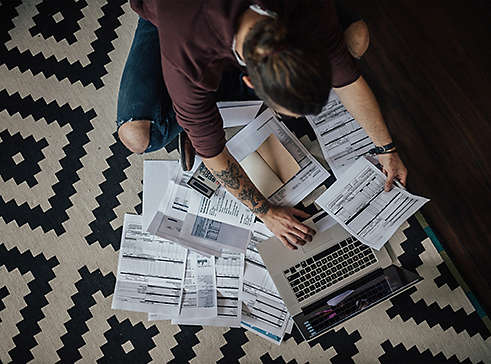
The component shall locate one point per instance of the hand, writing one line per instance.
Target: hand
(283, 223)
(393, 168)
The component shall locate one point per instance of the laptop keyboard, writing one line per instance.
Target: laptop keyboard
(330, 266)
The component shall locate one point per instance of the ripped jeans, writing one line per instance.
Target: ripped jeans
(143, 94)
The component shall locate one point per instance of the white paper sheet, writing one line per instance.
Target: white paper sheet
(257, 280)
(229, 273)
(359, 203)
(266, 315)
(204, 225)
(311, 174)
(262, 333)
(263, 310)
(199, 289)
(341, 137)
(150, 271)
(238, 113)
(156, 176)
(323, 221)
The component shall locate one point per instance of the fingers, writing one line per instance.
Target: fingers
(299, 213)
(403, 178)
(389, 182)
(306, 237)
(292, 238)
(303, 231)
(287, 243)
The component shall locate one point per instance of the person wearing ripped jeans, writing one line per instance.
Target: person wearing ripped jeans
(186, 55)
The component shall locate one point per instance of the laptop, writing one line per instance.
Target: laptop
(333, 278)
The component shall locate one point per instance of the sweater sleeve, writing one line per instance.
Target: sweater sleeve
(196, 112)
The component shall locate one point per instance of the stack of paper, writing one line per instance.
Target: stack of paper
(194, 260)
(170, 282)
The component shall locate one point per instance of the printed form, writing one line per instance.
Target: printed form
(229, 274)
(150, 272)
(201, 224)
(249, 140)
(263, 310)
(341, 138)
(359, 203)
(199, 287)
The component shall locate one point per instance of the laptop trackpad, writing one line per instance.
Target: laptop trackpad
(326, 238)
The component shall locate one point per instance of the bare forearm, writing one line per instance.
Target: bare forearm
(231, 175)
(359, 100)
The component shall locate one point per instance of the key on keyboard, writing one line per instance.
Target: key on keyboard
(307, 277)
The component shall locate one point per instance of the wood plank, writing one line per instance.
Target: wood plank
(429, 65)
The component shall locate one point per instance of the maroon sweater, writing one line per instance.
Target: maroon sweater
(196, 44)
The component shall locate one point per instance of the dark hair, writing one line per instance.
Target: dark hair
(288, 65)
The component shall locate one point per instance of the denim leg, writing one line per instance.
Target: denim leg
(142, 92)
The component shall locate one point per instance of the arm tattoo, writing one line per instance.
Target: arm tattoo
(247, 194)
(229, 177)
(250, 195)
(261, 210)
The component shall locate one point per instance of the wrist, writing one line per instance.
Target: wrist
(384, 149)
(262, 210)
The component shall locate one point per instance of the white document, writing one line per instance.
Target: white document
(359, 203)
(222, 207)
(229, 271)
(267, 315)
(238, 113)
(263, 310)
(341, 137)
(263, 333)
(156, 176)
(311, 173)
(204, 225)
(257, 280)
(199, 300)
(150, 272)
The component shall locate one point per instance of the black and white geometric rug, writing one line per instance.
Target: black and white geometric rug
(66, 182)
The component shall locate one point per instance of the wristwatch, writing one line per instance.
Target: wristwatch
(385, 149)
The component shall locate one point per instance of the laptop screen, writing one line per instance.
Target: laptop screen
(352, 299)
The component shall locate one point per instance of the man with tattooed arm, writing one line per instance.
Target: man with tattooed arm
(289, 53)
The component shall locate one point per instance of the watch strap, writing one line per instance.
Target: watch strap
(385, 149)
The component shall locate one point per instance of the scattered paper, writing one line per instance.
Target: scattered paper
(341, 137)
(358, 202)
(199, 288)
(156, 176)
(229, 272)
(263, 310)
(257, 280)
(311, 173)
(201, 224)
(238, 113)
(150, 271)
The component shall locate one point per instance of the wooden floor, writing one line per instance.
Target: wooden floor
(429, 63)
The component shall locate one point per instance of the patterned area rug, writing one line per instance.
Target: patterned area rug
(66, 183)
